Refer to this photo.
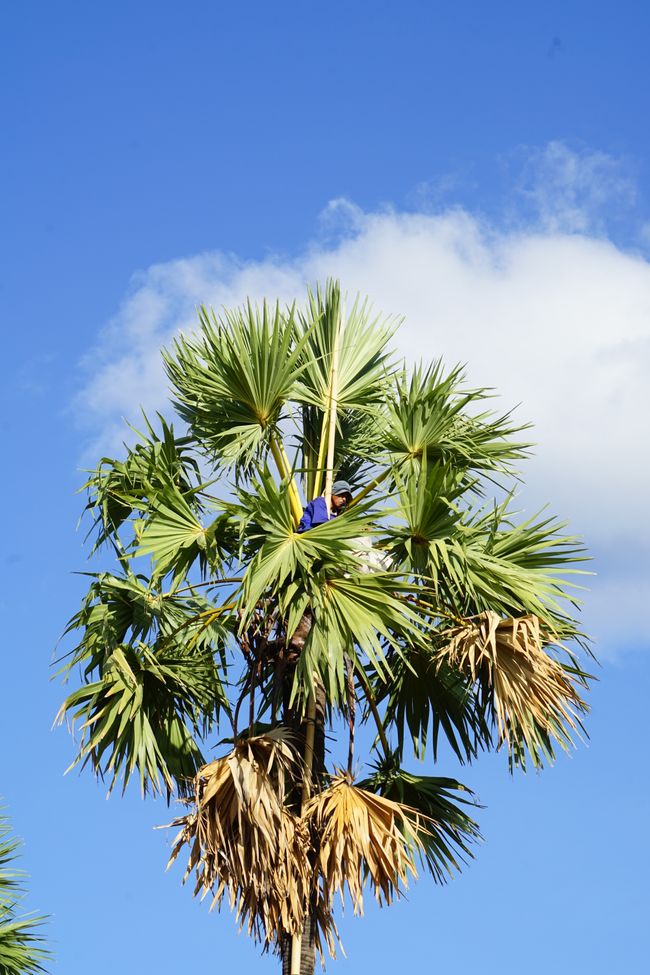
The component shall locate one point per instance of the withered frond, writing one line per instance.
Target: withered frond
(244, 842)
(362, 836)
(530, 695)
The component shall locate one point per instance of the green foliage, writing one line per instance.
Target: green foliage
(140, 715)
(365, 357)
(366, 365)
(423, 699)
(116, 489)
(177, 540)
(155, 644)
(145, 705)
(22, 948)
(233, 382)
(431, 413)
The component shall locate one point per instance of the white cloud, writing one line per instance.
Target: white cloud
(571, 191)
(556, 321)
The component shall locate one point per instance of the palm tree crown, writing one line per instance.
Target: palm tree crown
(425, 608)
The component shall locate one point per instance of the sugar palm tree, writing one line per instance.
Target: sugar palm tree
(22, 950)
(426, 610)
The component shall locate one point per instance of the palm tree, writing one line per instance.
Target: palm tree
(426, 609)
(22, 950)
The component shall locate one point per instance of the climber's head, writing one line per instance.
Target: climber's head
(341, 494)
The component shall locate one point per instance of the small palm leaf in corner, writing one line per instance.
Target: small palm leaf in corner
(22, 947)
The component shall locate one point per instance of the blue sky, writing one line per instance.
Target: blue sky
(482, 168)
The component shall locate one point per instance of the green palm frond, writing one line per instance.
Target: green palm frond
(118, 489)
(365, 360)
(365, 365)
(152, 666)
(144, 715)
(363, 616)
(176, 538)
(424, 699)
(516, 567)
(433, 413)
(233, 381)
(426, 517)
(114, 609)
(353, 611)
(130, 609)
(22, 947)
(279, 555)
(473, 560)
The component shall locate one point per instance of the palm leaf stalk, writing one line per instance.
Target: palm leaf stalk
(449, 619)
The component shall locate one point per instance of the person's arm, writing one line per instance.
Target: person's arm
(306, 520)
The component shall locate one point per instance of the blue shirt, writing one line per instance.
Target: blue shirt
(315, 514)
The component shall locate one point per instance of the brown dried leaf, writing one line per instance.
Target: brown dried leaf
(244, 842)
(528, 691)
(361, 835)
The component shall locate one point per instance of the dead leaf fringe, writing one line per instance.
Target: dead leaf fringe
(361, 835)
(527, 690)
(244, 842)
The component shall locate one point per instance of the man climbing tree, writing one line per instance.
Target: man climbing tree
(316, 512)
(460, 630)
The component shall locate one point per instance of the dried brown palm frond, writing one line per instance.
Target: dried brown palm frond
(359, 836)
(244, 842)
(530, 695)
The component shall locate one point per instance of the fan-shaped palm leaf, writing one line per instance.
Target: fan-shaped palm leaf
(360, 615)
(143, 713)
(364, 364)
(233, 380)
(116, 489)
(432, 413)
(364, 358)
(426, 517)
(129, 609)
(424, 698)
(176, 538)
(363, 835)
(515, 568)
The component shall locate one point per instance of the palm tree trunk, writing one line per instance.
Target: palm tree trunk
(307, 951)
(307, 938)
(315, 725)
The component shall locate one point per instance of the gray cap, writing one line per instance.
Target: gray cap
(341, 487)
